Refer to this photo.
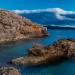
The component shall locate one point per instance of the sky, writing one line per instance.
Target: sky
(37, 4)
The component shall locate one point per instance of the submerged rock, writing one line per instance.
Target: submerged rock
(38, 54)
(9, 71)
(14, 27)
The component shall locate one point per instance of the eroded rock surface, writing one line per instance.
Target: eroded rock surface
(9, 71)
(38, 54)
(14, 27)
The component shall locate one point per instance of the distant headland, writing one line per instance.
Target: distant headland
(15, 27)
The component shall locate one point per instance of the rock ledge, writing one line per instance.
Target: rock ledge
(52, 54)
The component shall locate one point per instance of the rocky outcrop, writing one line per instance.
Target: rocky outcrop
(9, 71)
(38, 54)
(14, 27)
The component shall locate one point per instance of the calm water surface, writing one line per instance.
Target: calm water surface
(12, 50)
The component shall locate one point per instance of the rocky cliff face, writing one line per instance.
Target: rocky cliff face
(14, 27)
(38, 54)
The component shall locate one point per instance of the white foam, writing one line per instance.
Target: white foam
(57, 11)
(65, 26)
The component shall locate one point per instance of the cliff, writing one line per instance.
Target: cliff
(14, 27)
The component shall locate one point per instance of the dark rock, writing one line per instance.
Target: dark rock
(14, 27)
(38, 54)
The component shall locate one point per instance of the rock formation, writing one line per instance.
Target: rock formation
(52, 54)
(14, 27)
(9, 71)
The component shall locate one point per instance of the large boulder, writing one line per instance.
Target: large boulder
(9, 71)
(38, 54)
(14, 27)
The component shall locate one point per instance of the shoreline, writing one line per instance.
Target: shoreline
(60, 50)
(26, 38)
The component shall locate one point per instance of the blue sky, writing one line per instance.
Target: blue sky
(37, 4)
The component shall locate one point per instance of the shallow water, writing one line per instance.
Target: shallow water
(16, 49)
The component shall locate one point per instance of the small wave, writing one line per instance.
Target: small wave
(61, 26)
(58, 12)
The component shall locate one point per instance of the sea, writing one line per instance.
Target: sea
(59, 14)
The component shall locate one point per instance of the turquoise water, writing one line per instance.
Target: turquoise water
(61, 13)
(12, 50)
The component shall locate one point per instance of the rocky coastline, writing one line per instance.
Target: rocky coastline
(60, 50)
(14, 27)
